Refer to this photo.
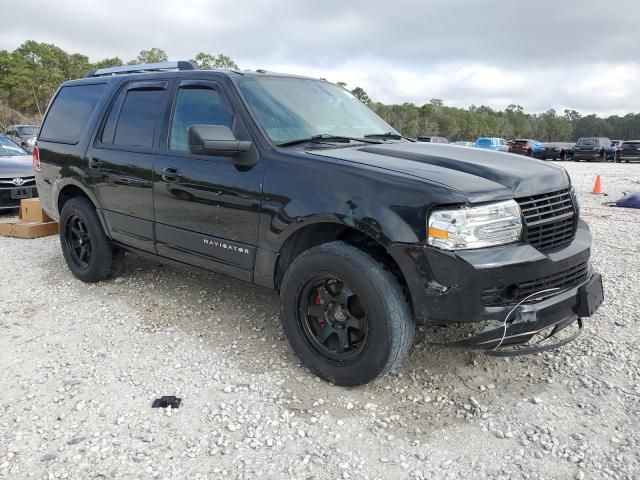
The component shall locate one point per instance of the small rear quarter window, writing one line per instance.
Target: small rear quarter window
(70, 112)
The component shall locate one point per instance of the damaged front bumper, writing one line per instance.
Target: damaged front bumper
(496, 291)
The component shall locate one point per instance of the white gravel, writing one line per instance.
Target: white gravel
(81, 365)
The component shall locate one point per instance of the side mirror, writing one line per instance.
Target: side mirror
(216, 140)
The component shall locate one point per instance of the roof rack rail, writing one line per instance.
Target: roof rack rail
(143, 68)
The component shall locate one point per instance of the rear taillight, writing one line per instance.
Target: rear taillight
(36, 159)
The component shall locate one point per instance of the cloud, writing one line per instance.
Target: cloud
(539, 54)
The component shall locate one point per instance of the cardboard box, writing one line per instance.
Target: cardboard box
(31, 211)
(22, 229)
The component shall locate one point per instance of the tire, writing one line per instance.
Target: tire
(80, 227)
(375, 302)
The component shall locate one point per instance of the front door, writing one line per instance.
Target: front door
(206, 207)
(120, 161)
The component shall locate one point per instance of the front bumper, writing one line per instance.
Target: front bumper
(10, 196)
(588, 155)
(451, 287)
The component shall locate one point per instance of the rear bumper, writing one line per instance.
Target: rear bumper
(471, 286)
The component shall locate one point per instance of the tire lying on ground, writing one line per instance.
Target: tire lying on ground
(346, 317)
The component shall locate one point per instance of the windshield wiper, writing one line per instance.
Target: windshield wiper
(325, 137)
(388, 136)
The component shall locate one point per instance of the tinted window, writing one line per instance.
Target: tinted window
(70, 112)
(27, 130)
(484, 142)
(196, 106)
(138, 118)
(588, 141)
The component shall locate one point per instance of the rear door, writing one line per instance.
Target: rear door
(121, 160)
(206, 207)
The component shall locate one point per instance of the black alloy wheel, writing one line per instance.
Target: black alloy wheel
(345, 315)
(333, 319)
(86, 248)
(78, 241)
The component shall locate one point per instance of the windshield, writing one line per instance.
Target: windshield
(27, 131)
(10, 149)
(295, 108)
(588, 141)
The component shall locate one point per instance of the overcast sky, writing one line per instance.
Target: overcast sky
(580, 54)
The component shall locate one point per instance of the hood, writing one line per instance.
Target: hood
(18, 166)
(481, 175)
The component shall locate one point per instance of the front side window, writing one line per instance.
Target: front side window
(196, 106)
(291, 108)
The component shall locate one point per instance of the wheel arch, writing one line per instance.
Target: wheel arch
(71, 188)
(320, 232)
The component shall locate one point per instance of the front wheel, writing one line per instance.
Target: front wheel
(345, 315)
(85, 246)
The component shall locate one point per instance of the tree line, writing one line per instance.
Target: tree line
(30, 74)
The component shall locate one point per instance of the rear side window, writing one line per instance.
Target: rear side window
(70, 112)
(135, 115)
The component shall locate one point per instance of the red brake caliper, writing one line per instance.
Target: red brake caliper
(318, 300)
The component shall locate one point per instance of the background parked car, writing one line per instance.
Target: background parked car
(464, 144)
(591, 149)
(528, 147)
(614, 149)
(492, 143)
(23, 135)
(558, 151)
(17, 180)
(433, 139)
(629, 150)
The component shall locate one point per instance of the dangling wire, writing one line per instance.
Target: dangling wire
(504, 324)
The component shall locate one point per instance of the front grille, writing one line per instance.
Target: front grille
(26, 182)
(550, 219)
(564, 280)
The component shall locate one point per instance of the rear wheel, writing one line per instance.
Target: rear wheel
(345, 316)
(85, 246)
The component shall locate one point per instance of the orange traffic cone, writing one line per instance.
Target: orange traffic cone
(597, 187)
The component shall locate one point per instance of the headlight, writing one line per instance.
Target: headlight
(475, 227)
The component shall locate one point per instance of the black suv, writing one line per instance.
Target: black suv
(294, 184)
(592, 149)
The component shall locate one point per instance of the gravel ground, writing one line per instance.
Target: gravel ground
(82, 364)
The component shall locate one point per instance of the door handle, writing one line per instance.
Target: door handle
(95, 163)
(171, 174)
